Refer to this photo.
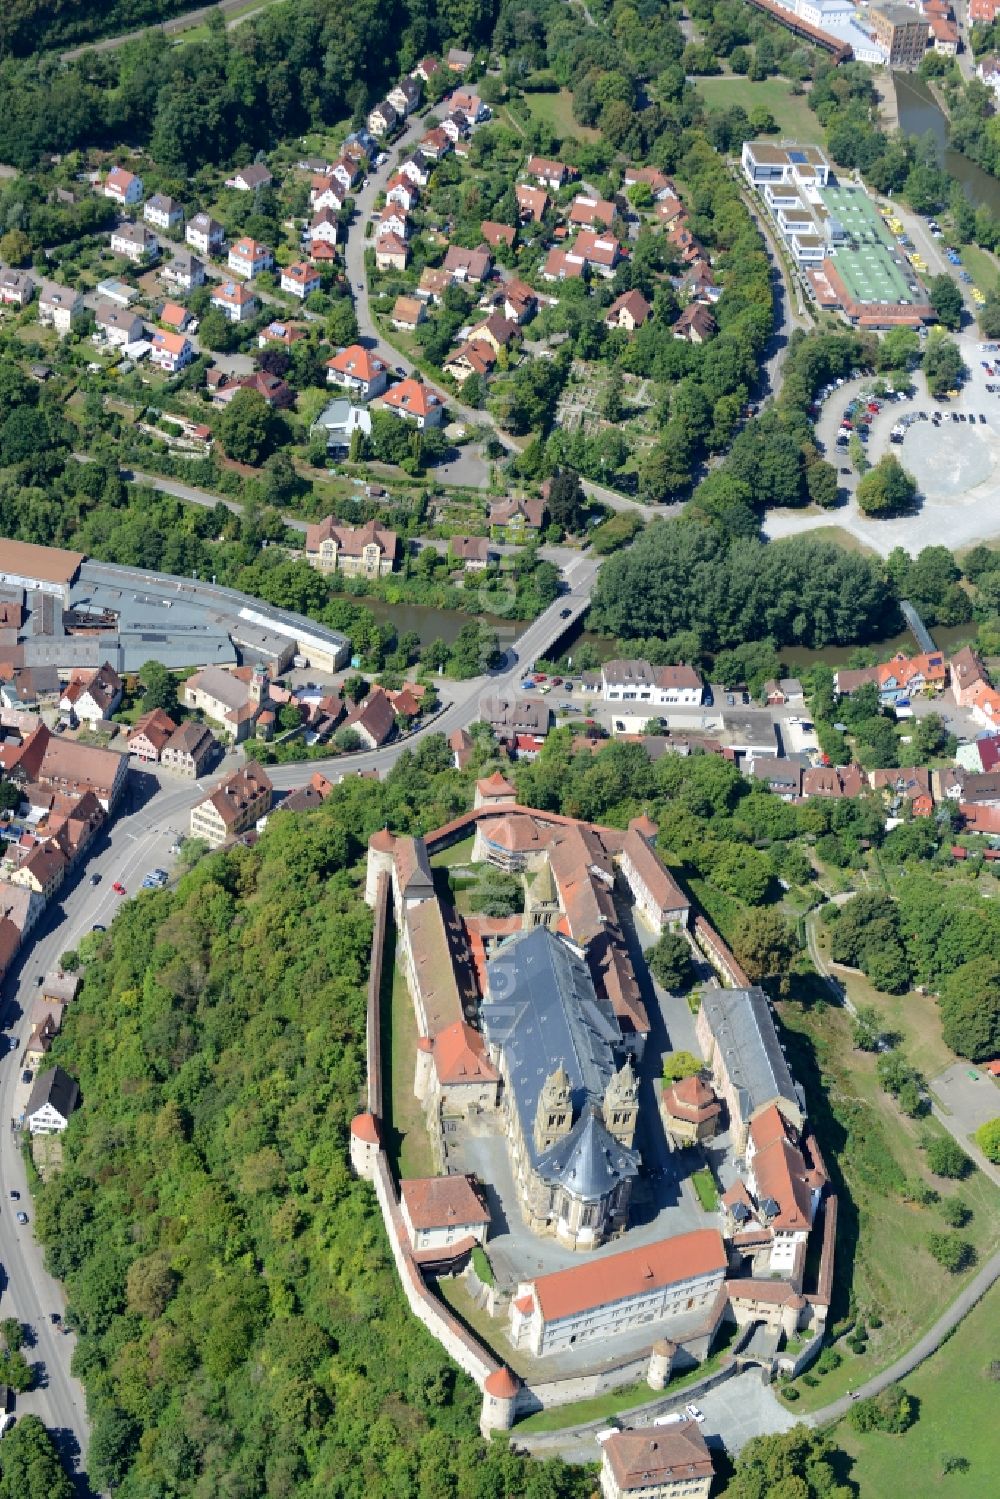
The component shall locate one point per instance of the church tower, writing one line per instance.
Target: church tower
(554, 1114)
(621, 1104)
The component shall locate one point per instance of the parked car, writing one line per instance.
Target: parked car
(695, 1413)
(119, 888)
(95, 879)
(22, 1218)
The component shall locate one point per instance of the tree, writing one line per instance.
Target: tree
(113, 1441)
(566, 501)
(943, 364)
(821, 482)
(953, 1253)
(867, 1031)
(891, 1410)
(946, 1158)
(15, 247)
(765, 944)
(887, 489)
(988, 1140)
(10, 796)
(29, 1464)
(498, 894)
(159, 688)
(742, 871)
(970, 1009)
(16, 1372)
(670, 962)
(796, 1464)
(946, 299)
(678, 1064)
(246, 428)
(930, 736)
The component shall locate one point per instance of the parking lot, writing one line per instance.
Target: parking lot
(966, 1097)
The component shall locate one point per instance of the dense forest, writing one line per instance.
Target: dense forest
(241, 1329)
(285, 70)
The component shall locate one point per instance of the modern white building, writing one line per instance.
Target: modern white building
(659, 686)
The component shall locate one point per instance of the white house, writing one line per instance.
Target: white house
(383, 119)
(763, 162)
(659, 686)
(124, 187)
(59, 307)
(205, 234)
(393, 220)
(300, 279)
(247, 258)
(171, 351)
(415, 402)
(51, 1102)
(235, 300)
(989, 72)
(403, 191)
(135, 243)
(92, 696)
(405, 97)
(119, 325)
(249, 179)
(16, 287)
(184, 270)
(163, 212)
(327, 192)
(324, 228)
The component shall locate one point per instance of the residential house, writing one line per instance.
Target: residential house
(339, 422)
(473, 358)
(247, 258)
(587, 212)
(395, 220)
(52, 1100)
(984, 702)
(16, 287)
(163, 212)
(205, 234)
(279, 332)
(358, 370)
(903, 676)
(426, 69)
(232, 698)
(988, 68)
(135, 243)
(401, 192)
(563, 265)
(659, 686)
(912, 785)
(981, 790)
(471, 105)
(53, 763)
(324, 228)
(736, 1035)
(458, 59)
(473, 552)
(92, 696)
(383, 119)
(415, 402)
(250, 179)
(189, 750)
(700, 284)
(435, 144)
(645, 1287)
(171, 351)
(174, 316)
(518, 302)
(495, 330)
(233, 807)
(433, 284)
(123, 186)
(456, 126)
(509, 715)
(416, 169)
(495, 234)
(696, 325)
(346, 171)
(833, 780)
(224, 387)
(516, 520)
(184, 270)
(783, 778)
(391, 253)
(601, 252)
(300, 279)
(235, 300)
(43, 870)
(944, 34)
(659, 185)
(657, 896)
(365, 551)
(532, 203)
(59, 307)
(468, 265)
(407, 312)
(548, 173)
(657, 1462)
(966, 673)
(118, 325)
(327, 191)
(405, 96)
(373, 720)
(150, 735)
(629, 311)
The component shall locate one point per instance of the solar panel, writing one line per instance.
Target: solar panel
(798, 157)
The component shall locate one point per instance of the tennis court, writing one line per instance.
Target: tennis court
(866, 264)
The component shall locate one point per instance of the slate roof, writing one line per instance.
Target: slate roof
(589, 1161)
(55, 1087)
(740, 1021)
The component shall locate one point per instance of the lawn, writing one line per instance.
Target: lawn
(792, 114)
(556, 110)
(981, 266)
(958, 1417)
(407, 1141)
(705, 1190)
(882, 1258)
(841, 538)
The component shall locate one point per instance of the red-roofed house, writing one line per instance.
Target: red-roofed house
(531, 202)
(657, 1462)
(391, 252)
(590, 211)
(628, 311)
(171, 351)
(415, 402)
(647, 1287)
(657, 895)
(248, 257)
(124, 187)
(498, 234)
(444, 1213)
(358, 370)
(553, 174)
(301, 279)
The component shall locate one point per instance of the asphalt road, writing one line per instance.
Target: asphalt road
(178, 23)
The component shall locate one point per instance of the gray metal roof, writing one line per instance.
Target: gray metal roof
(741, 1022)
(589, 1161)
(55, 1087)
(542, 1011)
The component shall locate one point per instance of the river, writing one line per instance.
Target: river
(429, 623)
(919, 112)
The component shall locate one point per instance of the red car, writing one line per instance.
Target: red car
(874, 406)
(539, 676)
(119, 888)
(557, 681)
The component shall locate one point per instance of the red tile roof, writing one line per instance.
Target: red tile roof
(443, 1202)
(565, 1293)
(460, 1056)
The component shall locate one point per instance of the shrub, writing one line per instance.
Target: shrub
(953, 1253)
(955, 1212)
(892, 1410)
(946, 1158)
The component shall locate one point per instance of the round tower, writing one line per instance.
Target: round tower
(365, 1145)
(661, 1364)
(500, 1393)
(380, 846)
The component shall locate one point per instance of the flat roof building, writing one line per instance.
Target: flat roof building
(47, 569)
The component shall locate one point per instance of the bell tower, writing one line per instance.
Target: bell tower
(621, 1104)
(554, 1114)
